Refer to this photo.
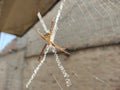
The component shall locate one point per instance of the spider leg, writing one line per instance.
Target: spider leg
(41, 53)
(45, 38)
(61, 49)
(41, 35)
(52, 26)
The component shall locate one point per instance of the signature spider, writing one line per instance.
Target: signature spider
(47, 38)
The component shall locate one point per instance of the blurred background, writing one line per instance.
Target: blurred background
(88, 29)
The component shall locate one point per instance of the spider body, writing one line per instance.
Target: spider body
(47, 38)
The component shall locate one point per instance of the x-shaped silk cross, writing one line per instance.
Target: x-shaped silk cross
(49, 38)
(50, 34)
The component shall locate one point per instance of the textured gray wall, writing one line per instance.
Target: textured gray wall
(83, 24)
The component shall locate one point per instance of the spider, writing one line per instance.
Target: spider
(47, 38)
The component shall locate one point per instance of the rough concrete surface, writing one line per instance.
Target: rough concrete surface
(81, 25)
(93, 68)
(11, 69)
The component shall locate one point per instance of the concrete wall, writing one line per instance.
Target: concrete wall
(92, 38)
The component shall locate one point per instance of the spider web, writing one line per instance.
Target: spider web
(102, 8)
(66, 76)
(89, 19)
(105, 9)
